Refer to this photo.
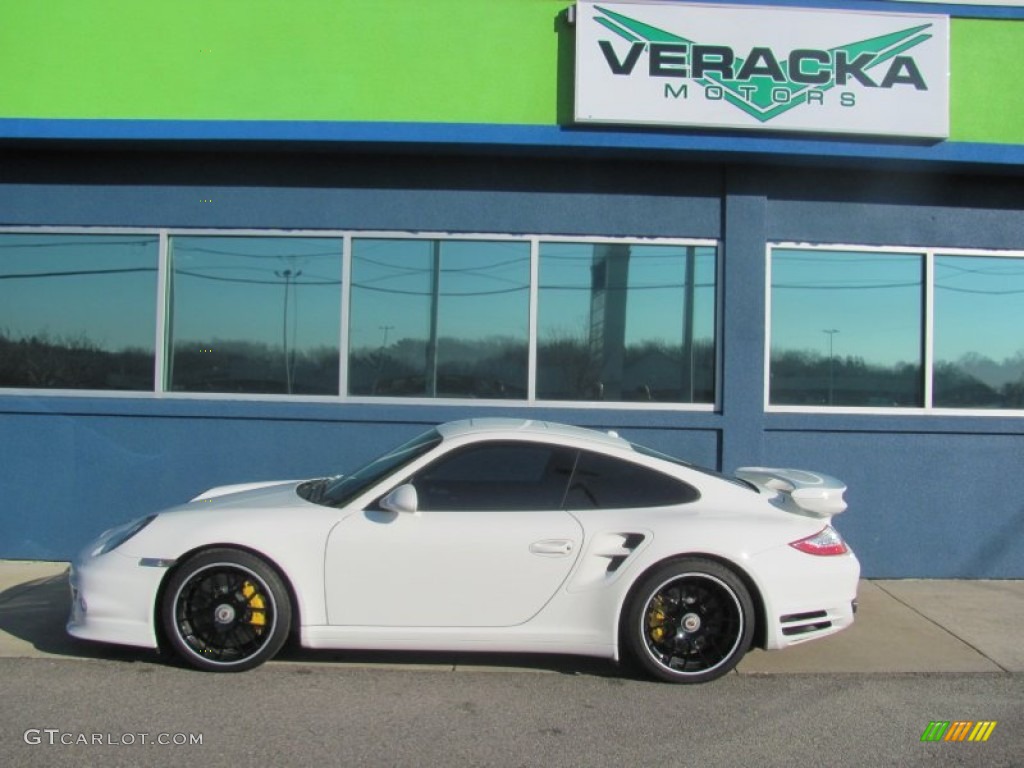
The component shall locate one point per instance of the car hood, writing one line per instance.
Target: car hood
(275, 493)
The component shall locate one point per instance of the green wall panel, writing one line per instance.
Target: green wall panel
(435, 61)
(432, 61)
(986, 84)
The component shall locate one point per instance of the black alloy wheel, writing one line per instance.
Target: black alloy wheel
(690, 621)
(225, 610)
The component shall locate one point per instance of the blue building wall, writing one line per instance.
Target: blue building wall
(930, 495)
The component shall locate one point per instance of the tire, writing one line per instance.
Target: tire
(224, 610)
(689, 621)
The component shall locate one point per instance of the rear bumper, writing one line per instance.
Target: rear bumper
(113, 600)
(810, 596)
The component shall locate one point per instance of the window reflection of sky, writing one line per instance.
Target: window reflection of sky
(655, 293)
(872, 300)
(233, 288)
(101, 290)
(483, 290)
(96, 289)
(979, 307)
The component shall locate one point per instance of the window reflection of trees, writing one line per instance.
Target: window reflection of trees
(273, 284)
(451, 316)
(620, 347)
(979, 332)
(847, 329)
(616, 321)
(70, 317)
(640, 318)
(978, 310)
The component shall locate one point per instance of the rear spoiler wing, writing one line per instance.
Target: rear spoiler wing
(798, 491)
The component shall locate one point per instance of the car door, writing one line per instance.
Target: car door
(488, 546)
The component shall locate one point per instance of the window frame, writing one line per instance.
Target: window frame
(928, 255)
(161, 389)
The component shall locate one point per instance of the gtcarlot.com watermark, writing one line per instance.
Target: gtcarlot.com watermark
(56, 737)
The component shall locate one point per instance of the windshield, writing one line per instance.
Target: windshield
(345, 488)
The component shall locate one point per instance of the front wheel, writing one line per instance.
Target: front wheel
(225, 610)
(689, 621)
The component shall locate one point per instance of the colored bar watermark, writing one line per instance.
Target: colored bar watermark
(958, 730)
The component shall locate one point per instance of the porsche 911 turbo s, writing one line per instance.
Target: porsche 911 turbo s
(489, 535)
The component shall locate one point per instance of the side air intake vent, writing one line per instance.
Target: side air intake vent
(804, 623)
(607, 555)
(629, 544)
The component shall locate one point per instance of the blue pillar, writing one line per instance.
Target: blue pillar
(743, 320)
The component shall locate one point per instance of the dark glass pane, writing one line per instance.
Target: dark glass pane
(846, 328)
(623, 322)
(493, 476)
(604, 482)
(255, 314)
(979, 332)
(78, 311)
(432, 318)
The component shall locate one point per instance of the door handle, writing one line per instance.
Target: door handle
(551, 547)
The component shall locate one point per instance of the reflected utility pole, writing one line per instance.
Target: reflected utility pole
(688, 313)
(831, 376)
(435, 295)
(288, 276)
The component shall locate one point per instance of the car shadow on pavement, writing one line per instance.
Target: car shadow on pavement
(460, 662)
(33, 615)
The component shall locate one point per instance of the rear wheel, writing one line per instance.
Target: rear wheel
(690, 621)
(225, 610)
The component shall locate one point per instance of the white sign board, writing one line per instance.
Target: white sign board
(760, 68)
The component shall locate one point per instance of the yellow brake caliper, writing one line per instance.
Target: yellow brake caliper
(656, 619)
(257, 607)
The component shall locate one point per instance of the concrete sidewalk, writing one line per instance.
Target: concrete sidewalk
(902, 626)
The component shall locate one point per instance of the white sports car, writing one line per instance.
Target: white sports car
(484, 535)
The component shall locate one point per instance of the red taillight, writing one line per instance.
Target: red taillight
(827, 541)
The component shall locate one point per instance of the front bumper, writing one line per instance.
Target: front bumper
(113, 600)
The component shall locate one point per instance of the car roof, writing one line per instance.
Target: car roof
(527, 428)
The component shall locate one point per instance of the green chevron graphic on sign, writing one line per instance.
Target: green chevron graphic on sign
(763, 83)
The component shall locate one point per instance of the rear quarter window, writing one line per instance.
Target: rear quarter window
(605, 482)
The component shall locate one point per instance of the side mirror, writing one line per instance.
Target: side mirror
(402, 499)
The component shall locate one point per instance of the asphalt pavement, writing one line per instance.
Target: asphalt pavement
(902, 626)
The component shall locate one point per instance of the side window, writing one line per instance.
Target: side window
(603, 482)
(500, 475)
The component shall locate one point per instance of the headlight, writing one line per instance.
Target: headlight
(115, 537)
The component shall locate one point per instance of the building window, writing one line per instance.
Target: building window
(78, 311)
(979, 332)
(254, 315)
(846, 328)
(885, 328)
(439, 318)
(343, 314)
(622, 321)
